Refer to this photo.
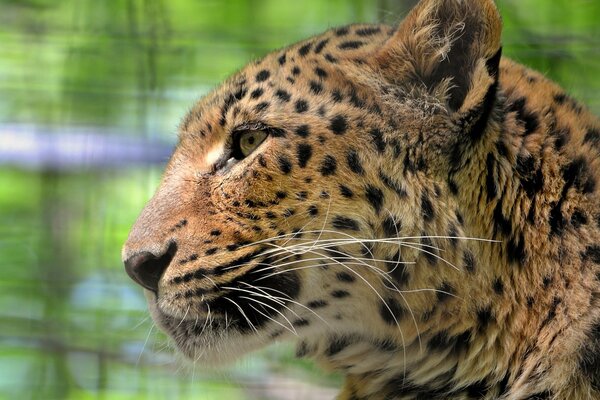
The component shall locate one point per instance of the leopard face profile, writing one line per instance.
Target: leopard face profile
(411, 208)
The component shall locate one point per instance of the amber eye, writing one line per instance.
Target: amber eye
(246, 142)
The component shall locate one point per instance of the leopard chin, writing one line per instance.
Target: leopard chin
(207, 341)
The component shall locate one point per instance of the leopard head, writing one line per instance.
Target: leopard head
(311, 195)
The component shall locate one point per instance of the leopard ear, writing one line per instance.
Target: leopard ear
(446, 46)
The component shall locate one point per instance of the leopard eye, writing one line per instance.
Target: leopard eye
(246, 142)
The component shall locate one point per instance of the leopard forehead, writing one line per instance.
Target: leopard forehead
(293, 88)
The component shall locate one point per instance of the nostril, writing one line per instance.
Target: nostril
(146, 268)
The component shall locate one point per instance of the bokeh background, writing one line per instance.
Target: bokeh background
(91, 92)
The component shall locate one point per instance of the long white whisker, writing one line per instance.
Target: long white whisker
(243, 313)
(287, 298)
(293, 330)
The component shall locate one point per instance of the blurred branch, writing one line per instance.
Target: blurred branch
(39, 148)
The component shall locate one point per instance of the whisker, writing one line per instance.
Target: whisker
(293, 330)
(288, 298)
(243, 313)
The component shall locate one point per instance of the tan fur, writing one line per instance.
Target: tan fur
(469, 185)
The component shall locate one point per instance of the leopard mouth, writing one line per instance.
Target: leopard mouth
(243, 305)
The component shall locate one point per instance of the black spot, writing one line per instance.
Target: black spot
(337, 96)
(492, 189)
(330, 58)
(498, 286)
(426, 207)
(319, 47)
(262, 161)
(277, 132)
(316, 304)
(338, 125)
(343, 31)
(340, 294)
(288, 212)
(301, 322)
(484, 317)
(302, 195)
(552, 312)
(368, 31)
(346, 191)
(321, 73)
(353, 161)
(478, 390)
(263, 75)
(282, 59)
(211, 251)
(301, 106)
(560, 98)
(444, 292)
(375, 197)
(501, 224)
(576, 173)
(527, 118)
(428, 250)
(391, 311)
(578, 218)
(351, 44)
(303, 349)
(215, 232)
(302, 131)
(545, 395)
(391, 227)
(546, 281)
(256, 93)
(340, 222)
(444, 341)
(532, 179)
(304, 152)
(315, 87)
(397, 270)
(338, 344)
(355, 100)
(592, 253)
(592, 136)
(284, 164)
(328, 166)
(345, 277)
(501, 149)
(281, 194)
(304, 49)
(283, 95)
(261, 106)
(515, 248)
(295, 71)
(377, 137)
(392, 184)
(270, 215)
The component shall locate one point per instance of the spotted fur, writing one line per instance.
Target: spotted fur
(423, 216)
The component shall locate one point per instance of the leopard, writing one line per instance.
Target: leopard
(411, 209)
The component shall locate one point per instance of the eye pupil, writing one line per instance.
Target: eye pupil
(251, 140)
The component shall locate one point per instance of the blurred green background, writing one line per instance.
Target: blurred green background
(91, 93)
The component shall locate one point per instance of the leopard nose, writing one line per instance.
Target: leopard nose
(146, 268)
